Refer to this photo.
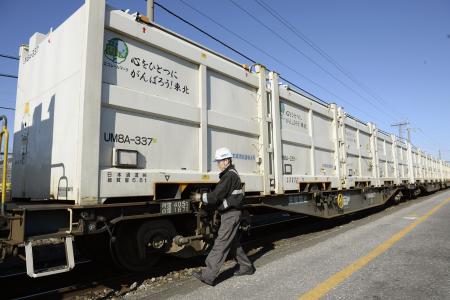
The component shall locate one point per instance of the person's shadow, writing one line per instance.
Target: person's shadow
(254, 257)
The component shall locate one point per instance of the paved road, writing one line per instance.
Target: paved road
(400, 254)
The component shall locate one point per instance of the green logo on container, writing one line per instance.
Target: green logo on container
(116, 50)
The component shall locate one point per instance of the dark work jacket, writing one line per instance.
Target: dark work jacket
(229, 182)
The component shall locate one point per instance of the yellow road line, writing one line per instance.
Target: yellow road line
(324, 287)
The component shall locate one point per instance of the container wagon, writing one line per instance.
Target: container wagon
(116, 122)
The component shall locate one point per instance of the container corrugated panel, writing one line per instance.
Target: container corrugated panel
(402, 160)
(423, 166)
(307, 140)
(359, 153)
(416, 163)
(385, 157)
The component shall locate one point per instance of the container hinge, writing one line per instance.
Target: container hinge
(70, 260)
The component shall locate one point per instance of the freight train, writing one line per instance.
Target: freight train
(116, 123)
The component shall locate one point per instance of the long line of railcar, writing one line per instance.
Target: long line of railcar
(116, 122)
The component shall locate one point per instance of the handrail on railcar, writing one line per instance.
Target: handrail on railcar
(4, 133)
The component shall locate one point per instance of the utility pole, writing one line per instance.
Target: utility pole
(408, 129)
(400, 126)
(150, 10)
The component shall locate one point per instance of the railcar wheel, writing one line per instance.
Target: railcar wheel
(411, 195)
(138, 246)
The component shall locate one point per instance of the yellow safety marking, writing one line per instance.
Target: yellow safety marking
(183, 187)
(26, 108)
(324, 287)
(205, 177)
(340, 201)
(4, 133)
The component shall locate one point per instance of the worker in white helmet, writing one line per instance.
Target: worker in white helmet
(227, 198)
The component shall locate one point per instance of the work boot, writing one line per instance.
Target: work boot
(199, 276)
(245, 271)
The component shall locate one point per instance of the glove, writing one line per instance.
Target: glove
(199, 197)
(196, 197)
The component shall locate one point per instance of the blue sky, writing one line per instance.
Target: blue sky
(396, 52)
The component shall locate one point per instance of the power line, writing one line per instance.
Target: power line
(264, 52)
(7, 75)
(256, 47)
(308, 57)
(9, 108)
(330, 59)
(204, 32)
(304, 91)
(9, 56)
(430, 139)
(281, 63)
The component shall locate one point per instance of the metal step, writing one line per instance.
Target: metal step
(70, 261)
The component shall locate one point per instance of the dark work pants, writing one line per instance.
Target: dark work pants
(227, 240)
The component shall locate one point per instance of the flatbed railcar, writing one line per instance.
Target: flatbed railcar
(116, 122)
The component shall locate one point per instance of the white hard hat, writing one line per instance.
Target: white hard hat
(223, 153)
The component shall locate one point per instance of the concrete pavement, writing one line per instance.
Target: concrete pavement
(411, 261)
